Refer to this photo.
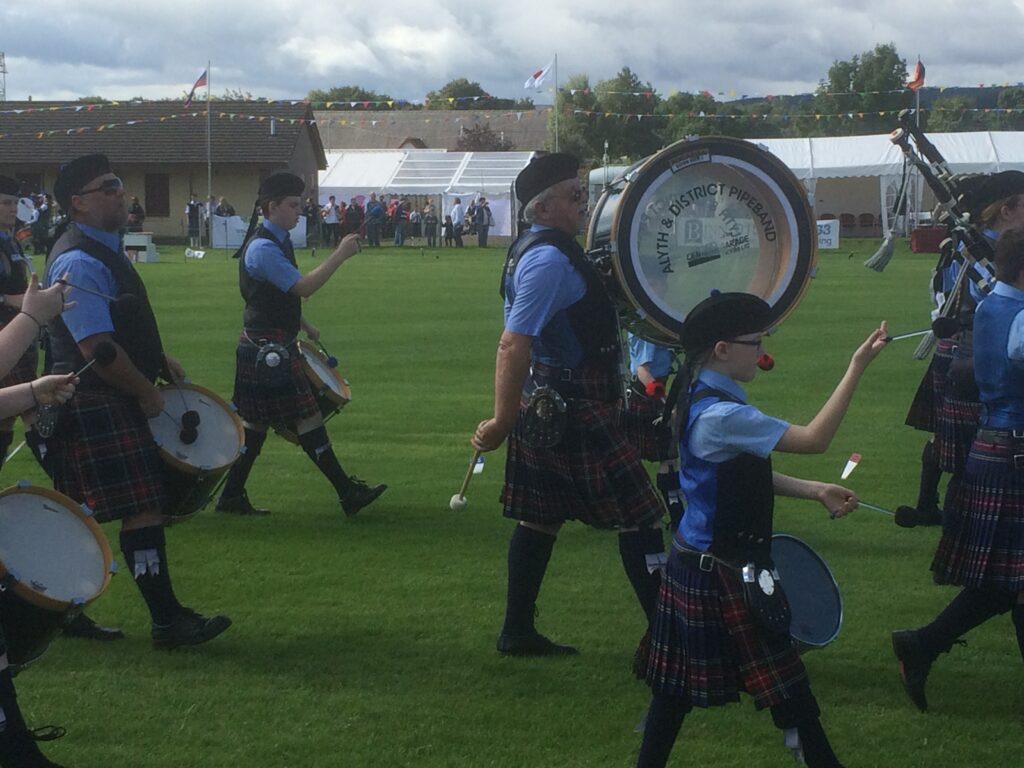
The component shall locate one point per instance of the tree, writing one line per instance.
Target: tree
(480, 138)
(463, 94)
(630, 131)
(578, 124)
(855, 92)
(345, 95)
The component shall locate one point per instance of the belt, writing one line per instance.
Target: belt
(705, 561)
(1007, 438)
(556, 373)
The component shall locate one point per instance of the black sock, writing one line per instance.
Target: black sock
(668, 484)
(145, 554)
(634, 546)
(931, 474)
(817, 749)
(17, 747)
(1018, 624)
(6, 438)
(664, 719)
(39, 449)
(970, 608)
(528, 554)
(317, 446)
(234, 487)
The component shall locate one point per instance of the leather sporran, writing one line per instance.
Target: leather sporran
(273, 369)
(765, 599)
(545, 419)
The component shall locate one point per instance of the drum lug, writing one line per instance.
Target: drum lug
(113, 567)
(8, 580)
(814, 271)
(86, 510)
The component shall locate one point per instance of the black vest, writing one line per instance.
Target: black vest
(745, 505)
(135, 329)
(593, 318)
(14, 273)
(266, 305)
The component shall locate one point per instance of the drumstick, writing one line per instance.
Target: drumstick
(865, 504)
(458, 501)
(129, 302)
(14, 453)
(902, 336)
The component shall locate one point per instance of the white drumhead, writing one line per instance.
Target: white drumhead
(49, 548)
(219, 442)
(328, 376)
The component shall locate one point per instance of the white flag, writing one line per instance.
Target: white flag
(535, 80)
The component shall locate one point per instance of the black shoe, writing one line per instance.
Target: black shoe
(359, 495)
(240, 505)
(190, 628)
(534, 644)
(915, 663)
(81, 625)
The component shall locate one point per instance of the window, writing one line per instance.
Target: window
(158, 195)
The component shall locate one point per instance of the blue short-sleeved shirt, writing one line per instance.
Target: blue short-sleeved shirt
(544, 285)
(657, 358)
(91, 314)
(265, 261)
(1015, 340)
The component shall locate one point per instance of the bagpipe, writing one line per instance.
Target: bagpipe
(965, 244)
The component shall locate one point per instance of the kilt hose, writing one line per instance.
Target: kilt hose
(104, 455)
(705, 647)
(982, 542)
(256, 404)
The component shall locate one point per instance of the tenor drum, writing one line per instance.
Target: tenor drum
(54, 560)
(200, 437)
(330, 388)
(702, 215)
(814, 596)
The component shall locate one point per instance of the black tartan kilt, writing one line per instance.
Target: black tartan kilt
(705, 647)
(923, 412)
(279, 408)
(653, 441)
(24, 371)
(982, 542)
(956, 423)
(104, 456)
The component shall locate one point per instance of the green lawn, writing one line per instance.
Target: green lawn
(370, 642)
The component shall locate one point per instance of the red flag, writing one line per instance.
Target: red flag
(917, 81)
(199, 84)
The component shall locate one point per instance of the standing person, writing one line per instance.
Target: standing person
(41, 226)
(104, 454)
(651, 364)
(398, 219)
(224, 209)
(449, 232)
(267, 394)
(709, 640)
(458, 216)
(136, 215)
(561, 343)
(430, 225)
(375, 214)
(982, 544)
(354, 218)
(312, 215)
(194, 217)
(415, 222)
(331, 217)
(484, 221)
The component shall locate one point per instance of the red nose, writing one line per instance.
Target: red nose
(765, 362)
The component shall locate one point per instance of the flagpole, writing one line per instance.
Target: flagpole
(917, 100)
(556, 102)
(209, 160)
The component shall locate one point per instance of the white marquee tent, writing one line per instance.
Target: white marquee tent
(436, 173)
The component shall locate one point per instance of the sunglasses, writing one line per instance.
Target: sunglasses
(108, 187)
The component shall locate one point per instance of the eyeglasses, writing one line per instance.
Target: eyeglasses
(759, 343)
(108, 187)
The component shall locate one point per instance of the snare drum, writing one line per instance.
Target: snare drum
(813, 594)
(195, 460)
(330, 388)
(700, 215)
(54, 560)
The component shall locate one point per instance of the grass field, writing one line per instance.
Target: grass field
(370, 641)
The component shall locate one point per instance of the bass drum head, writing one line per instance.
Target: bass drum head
(57, 554)
(813, 594)
(220, 434)
(702, 215)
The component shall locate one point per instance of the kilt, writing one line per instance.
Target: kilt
(923, 412)
(705, 647)
(982, 542)
(278, 408)
(593, 475)
(652, 442)
(104, 456)
(955, 425)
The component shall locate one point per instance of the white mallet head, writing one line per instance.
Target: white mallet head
(458, 503)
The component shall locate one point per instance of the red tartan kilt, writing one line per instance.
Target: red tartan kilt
(653, 442)
(982, 542)
(280, 408)
(705, 647)
(594, 475)
(956, 423)
(104, 456)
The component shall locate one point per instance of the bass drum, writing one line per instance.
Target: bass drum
(701, 215)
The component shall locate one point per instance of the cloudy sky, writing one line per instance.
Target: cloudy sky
(57, 49)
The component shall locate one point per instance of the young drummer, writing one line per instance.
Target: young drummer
(706, 645)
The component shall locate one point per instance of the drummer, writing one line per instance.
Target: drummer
(104, 454)
(271, 387)
(14, 275)
(706, 645)
(651, 365)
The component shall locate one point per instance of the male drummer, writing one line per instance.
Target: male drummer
(104, 454)
(561, 333)
(271, 387)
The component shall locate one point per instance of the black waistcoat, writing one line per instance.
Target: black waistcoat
(135, 329)
(14, 274)
(266, 305)
(745, 505)
(593, 318)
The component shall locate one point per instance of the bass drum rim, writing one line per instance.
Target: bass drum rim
(654, 323)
